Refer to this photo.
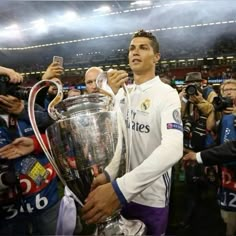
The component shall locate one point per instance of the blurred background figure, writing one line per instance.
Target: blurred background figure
(73, 92)
(51, 93)
(196, 105)
(90, 79)
(222, 121)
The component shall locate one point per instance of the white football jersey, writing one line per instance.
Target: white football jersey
(157, 142)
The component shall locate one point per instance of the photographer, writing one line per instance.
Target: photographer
(195, 107)
(35, 209)
(225, 128)
(223, 104)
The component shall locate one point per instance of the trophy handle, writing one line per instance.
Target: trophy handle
(31, 102)
(102, 83)
(53, 114)
(113, 166)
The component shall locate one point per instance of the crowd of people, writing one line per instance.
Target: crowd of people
(166, 125)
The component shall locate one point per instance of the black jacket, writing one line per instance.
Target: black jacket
(221, 154)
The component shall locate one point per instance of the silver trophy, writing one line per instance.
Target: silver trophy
(88, 137)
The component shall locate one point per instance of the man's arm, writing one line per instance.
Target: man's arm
(54, 70)
(220, 154)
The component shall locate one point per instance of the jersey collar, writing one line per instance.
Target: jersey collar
(148, 84)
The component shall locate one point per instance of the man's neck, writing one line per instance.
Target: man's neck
(142, 78)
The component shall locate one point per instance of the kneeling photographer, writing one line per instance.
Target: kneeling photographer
(196, 105)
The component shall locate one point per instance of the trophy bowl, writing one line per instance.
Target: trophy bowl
(87, 138)
(83, 146)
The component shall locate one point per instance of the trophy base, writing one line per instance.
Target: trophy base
(118, 225)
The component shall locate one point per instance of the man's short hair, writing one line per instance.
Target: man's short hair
(149, 35)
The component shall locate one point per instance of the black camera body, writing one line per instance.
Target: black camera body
(221, 103)
(192, 89)
(9, 184)
(7, 88)
(195, 133)
(7, 175)
(187, 127)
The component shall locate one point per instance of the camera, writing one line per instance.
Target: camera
(7, 88)
(9, 184)
(187, 131)
(192, 89)
(7, 175)
(187, 127)
(220, 103)
(195, 133)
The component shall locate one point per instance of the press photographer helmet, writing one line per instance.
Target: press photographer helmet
(7, 88)
(221, 103)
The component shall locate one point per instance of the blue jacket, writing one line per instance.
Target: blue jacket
(227, 191)
(37, 178)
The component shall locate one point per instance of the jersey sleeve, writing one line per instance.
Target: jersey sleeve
(163, 157)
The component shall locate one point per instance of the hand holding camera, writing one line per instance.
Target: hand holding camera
(14, 77)
(230, 110)
(196, 99)
(11, 105)
(193, 93)
(223, 104)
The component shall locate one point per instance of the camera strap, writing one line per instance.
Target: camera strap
(12, 127)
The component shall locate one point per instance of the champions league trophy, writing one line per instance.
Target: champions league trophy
(88, 137)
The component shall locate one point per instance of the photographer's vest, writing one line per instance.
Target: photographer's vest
(227, 191)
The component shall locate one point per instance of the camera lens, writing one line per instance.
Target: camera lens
(221, 103)
(191, 90)
(187, 127)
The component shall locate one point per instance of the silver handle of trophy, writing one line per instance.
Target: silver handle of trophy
(113, 166)
(102, 83)
(31, 103)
